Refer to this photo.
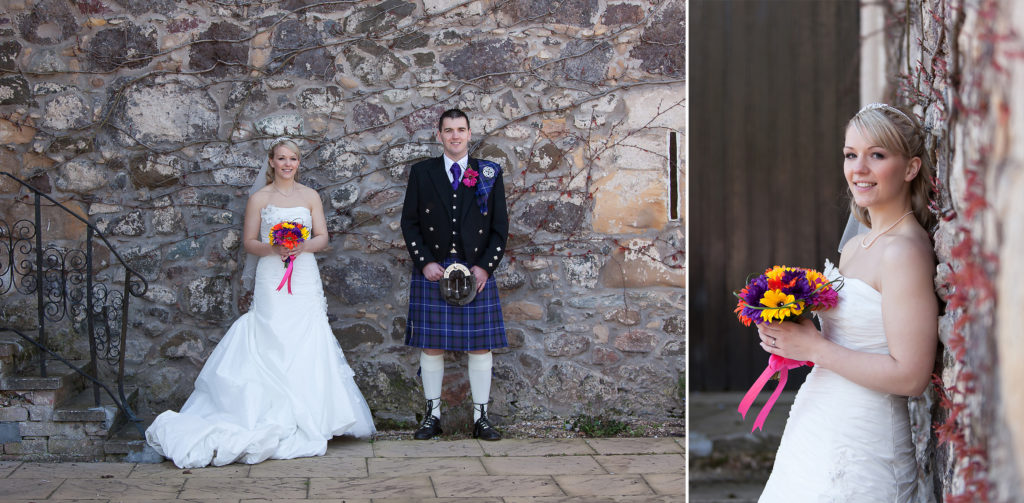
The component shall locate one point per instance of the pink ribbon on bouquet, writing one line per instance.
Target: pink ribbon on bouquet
(778, 364)
(288, 277)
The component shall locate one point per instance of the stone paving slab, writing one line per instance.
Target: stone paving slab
(650, 463)
(602, 485)
(349, 448)
(5, 500)
(667, 483)
(438, 500)
(391, 487)
(115, 488)
(495, 486)
(277, 487)
(359, 471)
(148, 499)
(167, 469)
(310, 467)
(72, 470)
(6, 467)
(326, 500)
(733, 492)
(389, 467)
(523, 465)
(537, 447)
(28, 488)
(635, 445)
(427, 448)
(646, 498)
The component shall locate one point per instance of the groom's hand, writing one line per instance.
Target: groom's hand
(433, 271)
(481, 277)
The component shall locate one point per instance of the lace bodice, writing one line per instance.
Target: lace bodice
(272, 215)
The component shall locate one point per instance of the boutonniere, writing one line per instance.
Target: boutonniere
(469, 177)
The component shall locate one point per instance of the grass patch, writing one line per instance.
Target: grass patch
(600, 426)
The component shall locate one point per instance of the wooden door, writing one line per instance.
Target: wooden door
(772, 84)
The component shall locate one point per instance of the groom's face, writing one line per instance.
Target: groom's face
(454, 135)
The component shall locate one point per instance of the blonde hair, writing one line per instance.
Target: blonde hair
(286, 143)
(898, 132)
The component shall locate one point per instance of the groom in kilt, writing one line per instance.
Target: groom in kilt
(454, 217)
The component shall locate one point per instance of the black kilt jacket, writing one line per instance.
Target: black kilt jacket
(435, 218)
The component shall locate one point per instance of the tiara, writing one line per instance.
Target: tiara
(883, 106)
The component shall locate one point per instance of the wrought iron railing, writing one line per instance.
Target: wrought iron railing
(66, 286)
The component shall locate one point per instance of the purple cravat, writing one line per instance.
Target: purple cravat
(456, 171)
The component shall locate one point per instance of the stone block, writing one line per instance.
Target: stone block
(169, 112)
(298, 50)
(125, 45)
(629, 201)
(487, 60)
(218, 56)
(357, 281)
(639, 265)
(558, 345)
(75, 447)
(360, 333)
(604, 356)
(570, 12)
(13, 413)
(66, 111)
(209, 297)
(39, 412)
(636, 341)
(522, 310)
(10, 432)
(373, 64)
(661, 49)
(13, 134)
(9, 52)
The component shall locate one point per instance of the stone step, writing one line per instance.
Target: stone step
(14, 352)
(126, 443)
(82, 407)
(60, 383)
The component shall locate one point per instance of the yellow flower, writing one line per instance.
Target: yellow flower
(305, 233)
(780, 305)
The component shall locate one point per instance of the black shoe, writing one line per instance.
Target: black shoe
(431, 425)
(482, 429)
(429, 428)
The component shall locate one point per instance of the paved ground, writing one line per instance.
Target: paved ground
(612, 470)
(729, 462)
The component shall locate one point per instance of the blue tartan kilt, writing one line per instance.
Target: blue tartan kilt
(436, 324)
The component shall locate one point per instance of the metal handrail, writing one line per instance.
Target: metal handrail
(121, 404)
(134, 285)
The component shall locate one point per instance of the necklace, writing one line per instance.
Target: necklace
(273, 186)
(869, 243)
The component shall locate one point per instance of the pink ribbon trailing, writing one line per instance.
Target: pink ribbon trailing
(288, 277)
(778, 364)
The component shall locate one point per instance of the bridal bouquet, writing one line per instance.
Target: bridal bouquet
(782, 293)
(288, 235)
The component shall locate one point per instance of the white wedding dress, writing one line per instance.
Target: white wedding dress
(277, 385)
(844, 442)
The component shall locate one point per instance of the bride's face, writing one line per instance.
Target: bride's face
(285, 163)
(875, 175)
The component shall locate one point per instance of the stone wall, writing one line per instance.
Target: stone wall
(152, 118)
(962, 66)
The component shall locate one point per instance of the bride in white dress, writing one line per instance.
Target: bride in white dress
(848, 434)
(277, 385)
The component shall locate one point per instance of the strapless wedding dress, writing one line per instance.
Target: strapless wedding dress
(277, 385)
(844, 442)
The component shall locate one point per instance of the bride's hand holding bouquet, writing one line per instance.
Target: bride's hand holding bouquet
(776, 302)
